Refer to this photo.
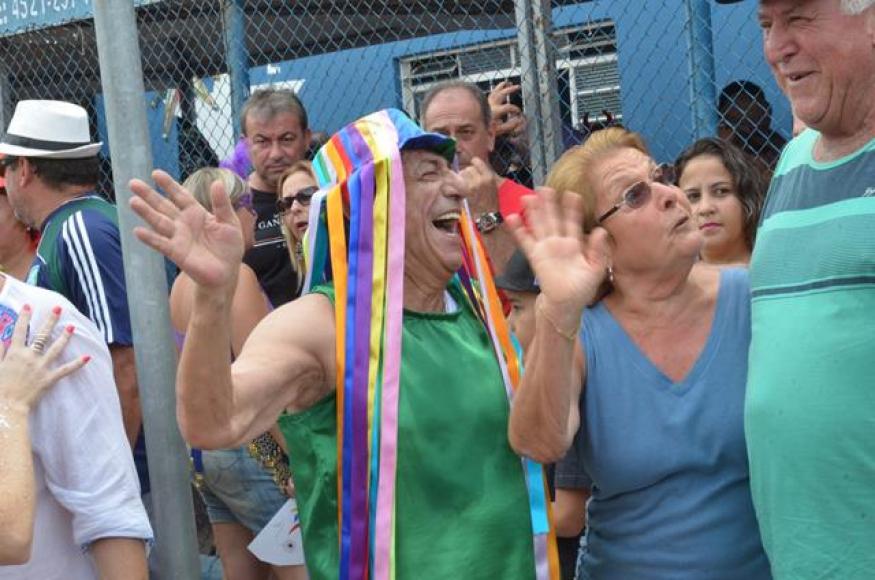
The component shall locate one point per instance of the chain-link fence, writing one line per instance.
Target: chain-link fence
(674, 70)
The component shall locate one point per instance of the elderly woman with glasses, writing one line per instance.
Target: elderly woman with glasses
(295, 188)
(637, 371)
(240, 489)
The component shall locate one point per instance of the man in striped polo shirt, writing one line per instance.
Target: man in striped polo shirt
(810, 410)
(51, 169)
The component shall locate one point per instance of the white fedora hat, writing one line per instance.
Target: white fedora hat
(51, 129)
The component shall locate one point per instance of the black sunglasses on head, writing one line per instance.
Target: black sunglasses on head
(303, 197)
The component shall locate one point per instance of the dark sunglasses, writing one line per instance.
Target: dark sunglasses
(638, 194)
(7, 161)
(284, 204)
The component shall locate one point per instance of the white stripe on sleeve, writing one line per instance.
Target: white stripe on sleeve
(76, 236)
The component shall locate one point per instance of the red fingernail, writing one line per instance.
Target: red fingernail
(25, 308)
(70, 328)
(86, 358)
(56, 310)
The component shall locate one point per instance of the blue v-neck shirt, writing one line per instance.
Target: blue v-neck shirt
(666, 461)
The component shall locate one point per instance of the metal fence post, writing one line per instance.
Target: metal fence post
(237, 58)
(122, 82)
(703, 92)
(538, 78)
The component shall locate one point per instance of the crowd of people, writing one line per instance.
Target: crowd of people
(641, 370)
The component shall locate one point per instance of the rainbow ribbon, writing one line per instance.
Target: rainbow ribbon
(356, 238)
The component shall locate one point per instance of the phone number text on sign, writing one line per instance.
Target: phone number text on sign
(22, 11)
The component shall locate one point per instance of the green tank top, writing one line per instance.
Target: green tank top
(462, 507)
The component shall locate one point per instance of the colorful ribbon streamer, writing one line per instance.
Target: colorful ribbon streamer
(356, 239)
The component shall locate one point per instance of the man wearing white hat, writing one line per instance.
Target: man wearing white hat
(51, 168)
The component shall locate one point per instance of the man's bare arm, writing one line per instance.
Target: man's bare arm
(124, 370)
(120, 558)
(287, 362)
(569, 511)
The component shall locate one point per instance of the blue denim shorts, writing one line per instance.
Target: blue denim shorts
(237, 489)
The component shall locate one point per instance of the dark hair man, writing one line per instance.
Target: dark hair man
(51, 169)
(274, 123)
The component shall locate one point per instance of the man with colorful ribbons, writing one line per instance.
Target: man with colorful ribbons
(390, 379)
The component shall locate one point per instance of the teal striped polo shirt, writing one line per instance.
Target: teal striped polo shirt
(810, 408)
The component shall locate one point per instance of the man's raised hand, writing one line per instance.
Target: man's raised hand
(206, 246)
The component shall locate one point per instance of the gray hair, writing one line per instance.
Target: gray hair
(476, 93)
(854, 7)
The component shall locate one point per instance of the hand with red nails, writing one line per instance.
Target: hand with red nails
(28, 370)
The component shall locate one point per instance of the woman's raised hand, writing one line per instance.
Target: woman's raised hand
(206, 246)
(569, 266)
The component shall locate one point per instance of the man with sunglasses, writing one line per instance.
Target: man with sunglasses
(51, 169)
(274, 123)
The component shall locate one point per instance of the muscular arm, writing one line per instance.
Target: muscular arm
(544, 416)
(120, 559)
(287, 361)
(124, 371)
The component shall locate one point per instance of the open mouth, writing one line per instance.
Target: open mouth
(448, 222)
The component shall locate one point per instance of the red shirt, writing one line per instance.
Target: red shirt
(510, 197)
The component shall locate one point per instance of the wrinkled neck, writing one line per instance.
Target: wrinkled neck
(424, 294)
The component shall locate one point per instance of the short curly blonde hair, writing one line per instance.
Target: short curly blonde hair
(573, 171)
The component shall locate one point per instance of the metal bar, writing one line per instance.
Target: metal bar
(236, 58)
(6, 95)
(122, 82)
(538, 79)
(548, 88)
(530, 88)
(703, 90)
